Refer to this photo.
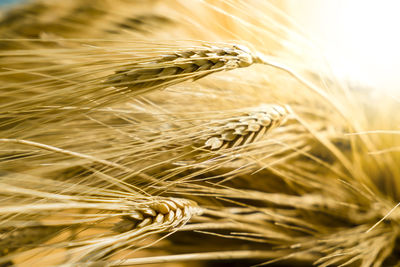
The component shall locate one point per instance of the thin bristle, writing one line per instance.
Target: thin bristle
(154, 132)
(119, 222)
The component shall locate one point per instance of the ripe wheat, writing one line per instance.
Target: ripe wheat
(120, 223)
(156, 216)
(248, 128)
(169, 212)
(181, 66)
(93, 172)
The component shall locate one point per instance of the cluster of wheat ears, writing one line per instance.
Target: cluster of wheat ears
(191, 133)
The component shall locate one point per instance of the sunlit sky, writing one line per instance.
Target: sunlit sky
(360, 38)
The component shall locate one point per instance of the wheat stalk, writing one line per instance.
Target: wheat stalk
(249, 128)
(99, 172)
(180, 66)
(149, 217)
(123, 223)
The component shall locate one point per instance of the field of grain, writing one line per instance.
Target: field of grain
(188, 133)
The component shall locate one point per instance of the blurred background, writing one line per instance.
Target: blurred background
(358, 37)
(6, 2)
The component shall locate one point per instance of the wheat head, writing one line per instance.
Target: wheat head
(181, 66)
(100, 167)
(249, 128)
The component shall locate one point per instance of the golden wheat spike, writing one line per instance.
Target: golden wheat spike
(149, 217)
(162, 212)
(119, 226)
(280, 200)
(248, 128)
(181, 66)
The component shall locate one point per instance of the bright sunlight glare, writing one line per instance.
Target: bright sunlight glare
(360, 38)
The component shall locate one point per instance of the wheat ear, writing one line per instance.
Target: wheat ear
(158, 215)
(170, 212)
(179, 66)
(247, 128)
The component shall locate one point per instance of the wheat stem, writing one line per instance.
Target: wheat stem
(120, 183)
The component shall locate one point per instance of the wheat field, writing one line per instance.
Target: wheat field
(187, 133)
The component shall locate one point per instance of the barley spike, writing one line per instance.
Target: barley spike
(180, 66)
(169, 212)
(248, 128)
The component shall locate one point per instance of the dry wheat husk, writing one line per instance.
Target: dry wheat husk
(247, 129)
(181, 66)
(89, 227)
(70, 134)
